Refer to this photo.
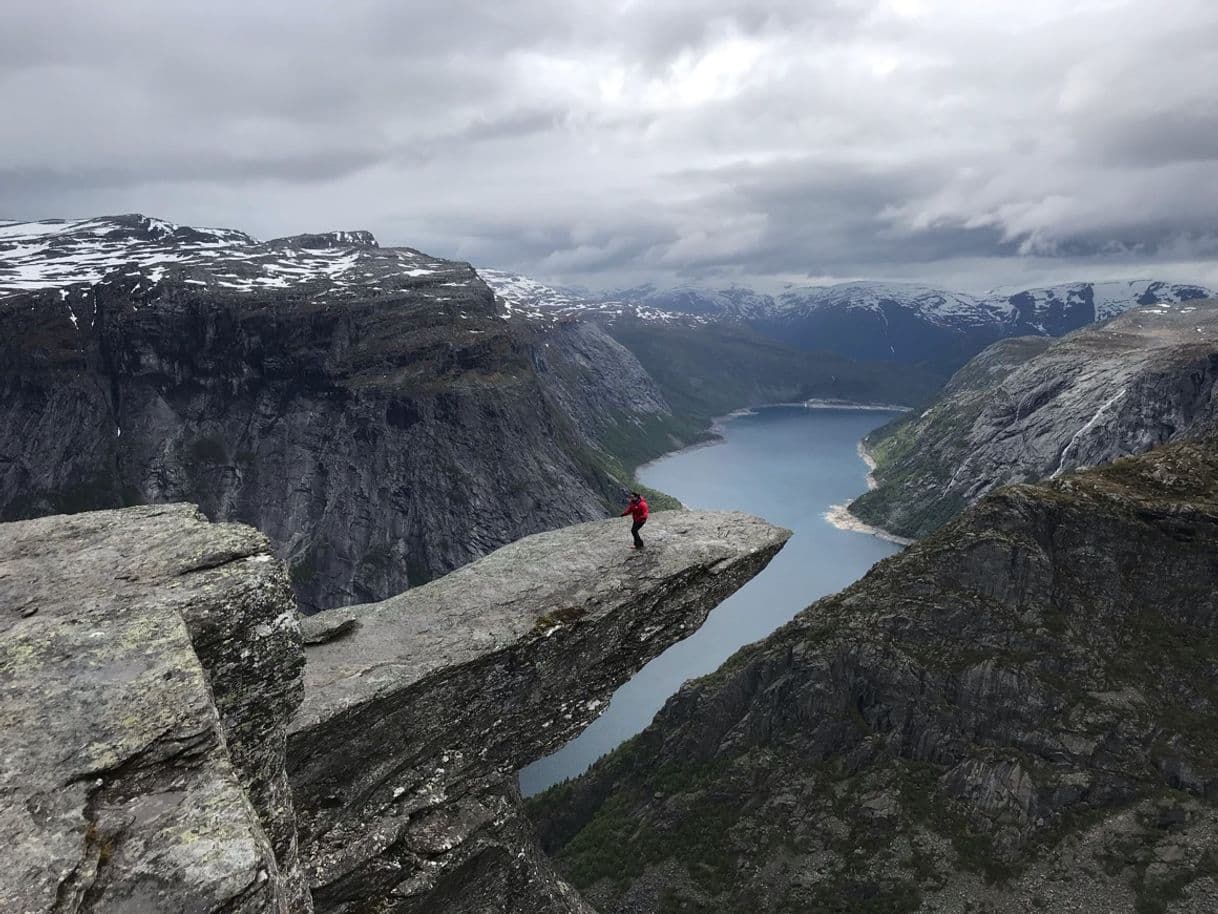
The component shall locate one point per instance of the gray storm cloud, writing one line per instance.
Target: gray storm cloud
(972, 143)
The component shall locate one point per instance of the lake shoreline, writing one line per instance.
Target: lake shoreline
(715, 433)
(823, 403)
(785, 464)
(841, 517)
(838, 516)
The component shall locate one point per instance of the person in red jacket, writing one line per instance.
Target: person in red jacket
(638, 510)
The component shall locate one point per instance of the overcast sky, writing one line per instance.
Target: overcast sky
(971, 143)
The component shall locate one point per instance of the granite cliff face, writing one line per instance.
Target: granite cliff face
(1015, 714)
(373, 411)
(150, 668)
(1029, 409)
(599, 386)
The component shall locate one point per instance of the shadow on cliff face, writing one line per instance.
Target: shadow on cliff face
(151, 694)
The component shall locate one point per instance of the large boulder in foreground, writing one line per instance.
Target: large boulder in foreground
(149, 662)
(419, 710)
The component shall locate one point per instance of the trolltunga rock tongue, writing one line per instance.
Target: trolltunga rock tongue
(419, 710)
(148, 664)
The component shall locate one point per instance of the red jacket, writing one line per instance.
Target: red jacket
(637, 510)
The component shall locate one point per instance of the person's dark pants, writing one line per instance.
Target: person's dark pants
(634, 531)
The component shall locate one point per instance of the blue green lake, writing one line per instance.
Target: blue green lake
(790, 465)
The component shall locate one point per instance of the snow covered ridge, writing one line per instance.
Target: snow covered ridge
(1108, 298)
(1035, 309)
(935, 305)
(73, 255)
(1049, 310)
(525, 297)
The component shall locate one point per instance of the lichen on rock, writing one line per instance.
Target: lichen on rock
(149, 662)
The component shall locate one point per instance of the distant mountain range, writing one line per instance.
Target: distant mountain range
(871, 321)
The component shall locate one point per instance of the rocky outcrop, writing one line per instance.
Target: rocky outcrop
(1017, 713)
(419, 710)
(149, 663)
(372, 410)
(1026, 410)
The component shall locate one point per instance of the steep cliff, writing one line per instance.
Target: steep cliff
(373, 411)
(1015, 714)
(1025, 410)
(419, 710)
(149, 664)
(605, 392)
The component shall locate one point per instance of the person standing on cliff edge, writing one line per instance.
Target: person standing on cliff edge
(638, 510)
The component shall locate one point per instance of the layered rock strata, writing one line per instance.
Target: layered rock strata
(372, 410)
(150, 663)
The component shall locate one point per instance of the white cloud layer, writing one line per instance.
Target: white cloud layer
(973, 142)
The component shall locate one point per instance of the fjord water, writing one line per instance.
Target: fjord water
(789, 465)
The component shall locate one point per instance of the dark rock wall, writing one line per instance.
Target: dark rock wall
(377, 443)
(417, 718)
(151, 663)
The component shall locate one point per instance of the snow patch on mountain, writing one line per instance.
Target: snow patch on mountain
(937, 306)
(71, 254)
(67, 253)
(1024, 311)
(1108, 298)
(522, 296)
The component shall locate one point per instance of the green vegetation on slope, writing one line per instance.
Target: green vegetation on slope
(627, 446)
(710, 370)
(916, 454)
(1022, 703)
(902, 465)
